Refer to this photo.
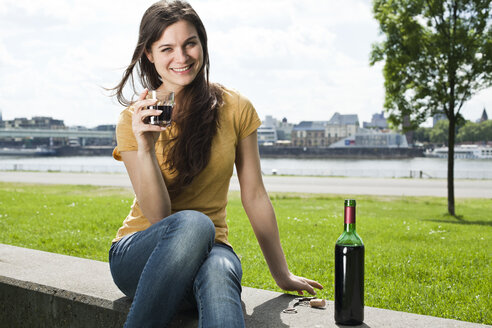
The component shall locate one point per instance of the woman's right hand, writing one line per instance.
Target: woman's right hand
(146, 134)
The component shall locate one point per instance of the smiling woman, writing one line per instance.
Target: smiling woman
(172, 56)
(172, 250)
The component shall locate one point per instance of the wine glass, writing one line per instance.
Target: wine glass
(166, 105)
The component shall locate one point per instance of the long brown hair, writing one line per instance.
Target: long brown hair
(196, 111)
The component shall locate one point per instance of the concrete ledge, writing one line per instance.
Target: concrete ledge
(41, 289)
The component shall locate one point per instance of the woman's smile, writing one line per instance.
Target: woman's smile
(184, 69)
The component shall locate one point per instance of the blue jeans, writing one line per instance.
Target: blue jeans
(176, 260)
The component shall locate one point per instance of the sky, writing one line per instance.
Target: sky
(303, 60)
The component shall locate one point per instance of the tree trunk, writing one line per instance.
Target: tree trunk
(452, 116)
(451, 141)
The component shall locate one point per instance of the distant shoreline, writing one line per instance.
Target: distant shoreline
(269, 152)
(340, 153)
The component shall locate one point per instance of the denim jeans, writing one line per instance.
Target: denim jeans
(174, 261)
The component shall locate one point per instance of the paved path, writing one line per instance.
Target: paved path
(329, 185)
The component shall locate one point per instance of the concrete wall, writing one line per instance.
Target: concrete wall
(47, 290)
(348, 152)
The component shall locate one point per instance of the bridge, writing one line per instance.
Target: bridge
(51, 133)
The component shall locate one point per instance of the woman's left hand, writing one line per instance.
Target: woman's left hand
(262, 217)
(299, 284)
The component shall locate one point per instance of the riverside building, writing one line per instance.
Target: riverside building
(324, 133)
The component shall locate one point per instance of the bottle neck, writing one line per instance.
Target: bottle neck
(349, 236)
(349, 218)
(349, 227)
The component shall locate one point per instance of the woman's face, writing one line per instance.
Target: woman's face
(177, 55)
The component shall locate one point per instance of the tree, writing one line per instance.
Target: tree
(422, 134)
(469, 132)
(437, 54)
(439, 133)
(475, 132)
(486, 128)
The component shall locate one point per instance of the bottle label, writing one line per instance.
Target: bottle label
(349, 214)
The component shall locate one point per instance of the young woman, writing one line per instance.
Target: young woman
(173, 245)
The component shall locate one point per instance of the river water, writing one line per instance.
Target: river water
(376, 168)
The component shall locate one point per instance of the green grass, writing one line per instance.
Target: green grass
(418, 259)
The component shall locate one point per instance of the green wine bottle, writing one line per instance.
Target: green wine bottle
(349, 272)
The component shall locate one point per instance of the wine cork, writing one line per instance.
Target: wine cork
(317, 303)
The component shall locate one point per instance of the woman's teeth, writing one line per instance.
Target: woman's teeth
(181, 69)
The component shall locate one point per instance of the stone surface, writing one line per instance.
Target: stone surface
(41, 289)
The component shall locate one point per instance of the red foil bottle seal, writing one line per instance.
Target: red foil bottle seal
(349, 215)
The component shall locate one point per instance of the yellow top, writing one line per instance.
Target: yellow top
(208, 191)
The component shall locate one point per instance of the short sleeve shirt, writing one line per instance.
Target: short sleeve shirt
(208, 191)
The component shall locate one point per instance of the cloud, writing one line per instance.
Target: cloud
(293, 67)
(300, 59)
(56, 55)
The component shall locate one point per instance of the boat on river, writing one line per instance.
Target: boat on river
(463, 151)
(27, 151)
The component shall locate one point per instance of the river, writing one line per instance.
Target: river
(374, 168)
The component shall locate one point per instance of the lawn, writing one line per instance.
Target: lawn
(418, 259)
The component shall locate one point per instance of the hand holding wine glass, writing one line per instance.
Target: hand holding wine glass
(165, 105)
(145, 134)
